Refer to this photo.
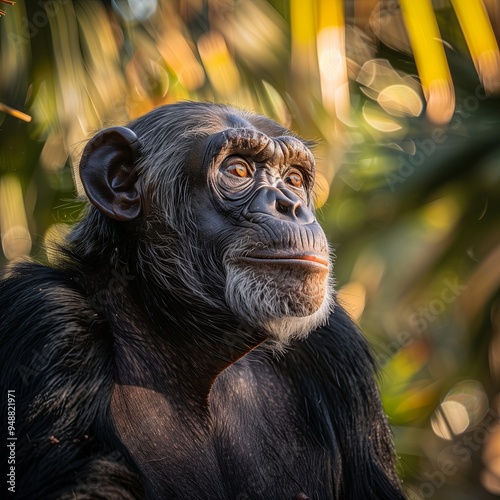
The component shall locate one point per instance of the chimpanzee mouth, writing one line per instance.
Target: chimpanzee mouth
(302, 259)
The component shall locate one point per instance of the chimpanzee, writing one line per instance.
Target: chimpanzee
(186, 344)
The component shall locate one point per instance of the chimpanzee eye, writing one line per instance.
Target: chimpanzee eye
(239, 169)
(295, 179)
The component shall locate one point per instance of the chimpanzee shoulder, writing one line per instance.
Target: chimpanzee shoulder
(55, 357)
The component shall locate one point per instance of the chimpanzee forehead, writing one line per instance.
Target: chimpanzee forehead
(233, 120)
(260, 147)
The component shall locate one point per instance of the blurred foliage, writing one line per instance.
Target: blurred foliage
(401, 98)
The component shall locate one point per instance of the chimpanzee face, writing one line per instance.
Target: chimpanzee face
(226, 200)
(254, 202)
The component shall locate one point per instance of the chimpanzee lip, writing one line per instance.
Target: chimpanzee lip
(306, 258)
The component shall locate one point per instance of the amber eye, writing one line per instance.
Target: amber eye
(295, 180)
(239, 169)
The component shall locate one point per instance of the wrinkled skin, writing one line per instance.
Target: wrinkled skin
(257, 215)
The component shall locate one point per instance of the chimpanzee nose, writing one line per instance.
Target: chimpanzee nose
(280, 203)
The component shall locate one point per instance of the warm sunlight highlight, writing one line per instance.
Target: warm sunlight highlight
(474, 19)
(332, 59)
(430, 58)
(16, 238)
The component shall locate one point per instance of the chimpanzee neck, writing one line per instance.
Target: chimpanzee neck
(173, 346)
(170, 343)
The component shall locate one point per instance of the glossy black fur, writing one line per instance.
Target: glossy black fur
(306, 423)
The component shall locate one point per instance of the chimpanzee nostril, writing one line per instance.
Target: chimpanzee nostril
(283, 208)
(282, 204)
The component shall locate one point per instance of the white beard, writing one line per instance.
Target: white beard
(283, 312)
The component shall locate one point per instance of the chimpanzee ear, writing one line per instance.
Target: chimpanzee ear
(108, 176)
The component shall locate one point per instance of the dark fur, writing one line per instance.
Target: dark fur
(308, 421)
